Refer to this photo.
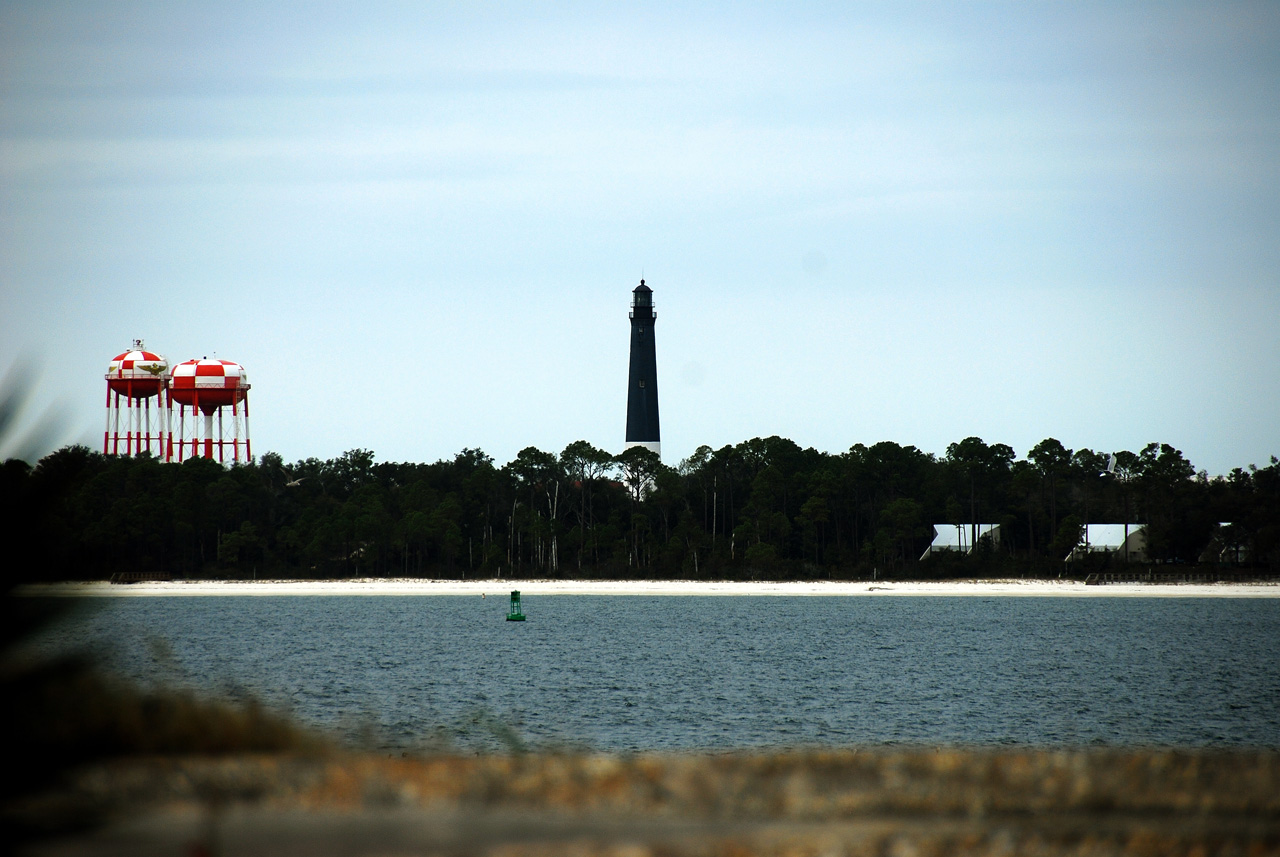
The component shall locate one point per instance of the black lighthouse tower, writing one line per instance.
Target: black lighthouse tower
(642, 378)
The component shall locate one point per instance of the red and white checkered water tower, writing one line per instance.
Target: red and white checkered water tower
(134, 378)
(217, 392)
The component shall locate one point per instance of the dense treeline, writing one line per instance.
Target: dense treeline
(765, 508)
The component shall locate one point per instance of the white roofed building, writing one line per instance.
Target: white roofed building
(1129, 540)
(959, 537)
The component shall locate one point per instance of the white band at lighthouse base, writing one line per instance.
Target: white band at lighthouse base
(651, 445)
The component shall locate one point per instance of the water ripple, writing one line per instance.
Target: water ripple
(679, 673)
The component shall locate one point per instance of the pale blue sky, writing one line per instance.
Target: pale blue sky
(418, 226)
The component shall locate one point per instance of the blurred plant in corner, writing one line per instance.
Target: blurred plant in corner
(62, 711)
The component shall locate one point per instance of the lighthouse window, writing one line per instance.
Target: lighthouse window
(641, 382)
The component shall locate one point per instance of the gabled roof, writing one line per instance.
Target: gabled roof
(1110, 538)
(1107, 537)
(950, 537)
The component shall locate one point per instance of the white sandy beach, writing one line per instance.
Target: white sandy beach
(532, 588)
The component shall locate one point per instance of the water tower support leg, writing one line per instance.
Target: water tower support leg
(106, 430)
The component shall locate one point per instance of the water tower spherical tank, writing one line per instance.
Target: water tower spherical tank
(208, 384)
(138, 374)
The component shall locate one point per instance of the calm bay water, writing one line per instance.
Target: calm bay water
(684, 673)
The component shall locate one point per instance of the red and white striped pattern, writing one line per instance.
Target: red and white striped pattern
(217, 390)
(133, 378)
(209, 374)
(137, 364)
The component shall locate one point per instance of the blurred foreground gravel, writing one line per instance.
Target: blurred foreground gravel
(871, 802)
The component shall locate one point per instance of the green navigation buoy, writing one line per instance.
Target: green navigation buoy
(514, 614)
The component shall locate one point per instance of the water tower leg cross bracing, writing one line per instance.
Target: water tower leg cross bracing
(642, 377)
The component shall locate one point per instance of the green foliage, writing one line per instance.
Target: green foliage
(1070, 536)
(765, 506)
